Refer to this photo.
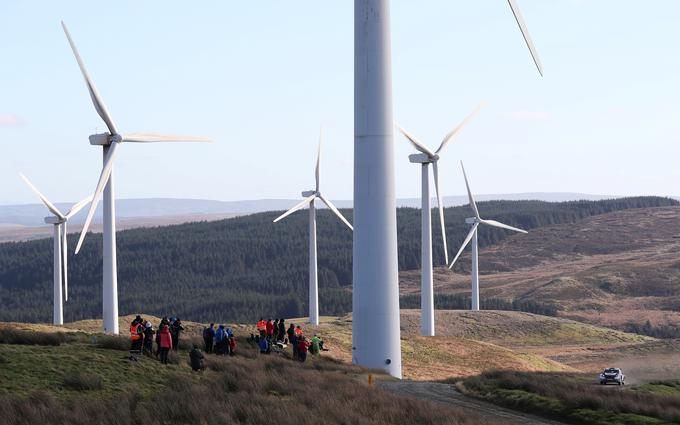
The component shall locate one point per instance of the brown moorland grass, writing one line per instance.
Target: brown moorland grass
(246, 389)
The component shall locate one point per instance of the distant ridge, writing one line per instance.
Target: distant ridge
(31, 215)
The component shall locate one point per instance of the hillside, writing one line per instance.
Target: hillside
(241, 268)
(84, 376)
(620, 269)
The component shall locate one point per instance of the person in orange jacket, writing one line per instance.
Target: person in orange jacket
(136, 335)
(262, 327)
(165, 343)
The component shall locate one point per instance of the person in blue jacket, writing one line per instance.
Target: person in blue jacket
(264, 346)
(221, 341)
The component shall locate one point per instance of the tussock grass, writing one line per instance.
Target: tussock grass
(9, 335)
(113, 342)
(82, 381)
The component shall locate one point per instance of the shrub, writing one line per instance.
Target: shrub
(82, 381)
(112, 342)
(22, 337)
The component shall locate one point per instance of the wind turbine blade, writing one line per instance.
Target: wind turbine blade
(416, 144)
(64, 258)
(101, 184)
(467, 240)
(77, 207)
(42, 197)
(299, 206)
(94, 94)
(157, 138)
(450, 136)
(495, 223)
(472, 200)
(440, 206)
(318, 159)
(525, 34)
(332, 207)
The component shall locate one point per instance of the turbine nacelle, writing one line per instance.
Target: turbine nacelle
(423, 158)
(308, 193)
(55, 220)
(471, 220)
(102, 139)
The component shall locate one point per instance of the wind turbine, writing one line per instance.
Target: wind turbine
(60, 268)
(310, 196)
(375, 294)
(472, 236)
(109, 142)
(425, 158)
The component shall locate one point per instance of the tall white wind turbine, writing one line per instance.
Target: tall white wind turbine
(472, 236)
(425, 158)
(310, 196)
(375, 294)
(109, 142)
(60, 268)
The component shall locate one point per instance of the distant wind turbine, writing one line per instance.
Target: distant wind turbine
(427, 157)
(110, 141)
(472, 236)
(60, 268)
(310, 196)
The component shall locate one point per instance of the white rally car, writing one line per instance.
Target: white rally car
(612, 374)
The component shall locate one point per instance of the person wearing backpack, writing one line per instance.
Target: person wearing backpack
(208, 337)
(165, 343)
(303, 346)
(265, 348)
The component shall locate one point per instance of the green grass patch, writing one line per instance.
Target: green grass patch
(668, 388)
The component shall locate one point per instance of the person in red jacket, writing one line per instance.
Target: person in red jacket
(165, 343)
(303, 346)
(232, 345)
(270, 329)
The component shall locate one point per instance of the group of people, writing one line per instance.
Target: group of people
(220, 341)
(275, 332)
(167, 337)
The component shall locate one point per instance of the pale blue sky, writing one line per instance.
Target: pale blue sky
(261, 77)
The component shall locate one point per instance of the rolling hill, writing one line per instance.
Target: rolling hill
(241, 268)
(620, 269)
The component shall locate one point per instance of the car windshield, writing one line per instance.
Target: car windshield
(611, 370)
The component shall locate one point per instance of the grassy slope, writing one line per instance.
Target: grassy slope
(248, 388)
(576, 398)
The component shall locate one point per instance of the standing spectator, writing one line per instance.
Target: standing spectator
(136, 336)
(148, 338)
(175, 330)
(282, 330)
(292, 339)
(164, 321)
(220, 341)
(208, 337)
(303, 346)
(262, 328)
(165, 343)
(232, 345)
(270, 329)
(196, 358)
(276, 330)
(298, 331)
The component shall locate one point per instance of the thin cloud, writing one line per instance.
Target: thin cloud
(10, 120)
(526, 116)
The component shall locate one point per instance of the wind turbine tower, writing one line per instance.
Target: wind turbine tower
(425, 158)
(375, 294)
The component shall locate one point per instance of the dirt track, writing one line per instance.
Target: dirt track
(447, 394)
